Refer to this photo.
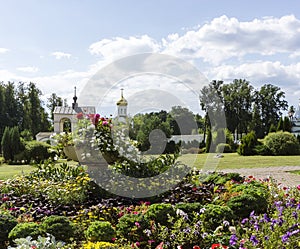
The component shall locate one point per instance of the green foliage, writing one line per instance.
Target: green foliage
(214, 215)
(58, 226)
(22, 230)
(189, 208)
(6, 145)
(7, 223)
(159, 213)
(100, 231)
(282, 143)
(248, 143)
(36, 151)
(132, 226)
(41, 243)
(218, 178)
(279, 125)
(251, 197)
(287, 125)
(223, 148)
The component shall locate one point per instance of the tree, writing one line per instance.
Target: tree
(238, 98)
(54, 101)
(287, 125)
(6, 145)
(280, 125)
(208, 141)
(182, 121)
(15, 140)
(211, 101)
(270, 101)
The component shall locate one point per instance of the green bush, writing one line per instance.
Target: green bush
(159, 213)
(189, 208)
(36, 151)
(22, 230)
(242, 205)
(214, 215)
(282, 143)
(131, 227)
(248, 143)
(58, 226)
(7, 223)
(223, 148)
(100, 231)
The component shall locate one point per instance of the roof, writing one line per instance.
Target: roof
(64, 110)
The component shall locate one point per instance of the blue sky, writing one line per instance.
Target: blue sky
(60, 44)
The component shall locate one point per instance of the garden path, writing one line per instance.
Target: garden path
(280, 174)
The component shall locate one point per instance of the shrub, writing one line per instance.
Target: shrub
(37, 151)
(159, 213)
(223, 148)
(248, 143)
(132, 226)
(214, 215)
(189, 208)
(100, 231)
(22, 230)
(7, 223)
(58, 226)
(282, 143)
(242, 205)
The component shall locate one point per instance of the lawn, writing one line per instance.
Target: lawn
(230, 160)
(235, 161)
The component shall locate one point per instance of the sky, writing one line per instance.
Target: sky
(60, 44)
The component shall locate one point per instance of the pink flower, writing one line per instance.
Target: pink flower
(137, 224)
(298, 187)
(160, 246)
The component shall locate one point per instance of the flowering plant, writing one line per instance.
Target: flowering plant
(41, 243)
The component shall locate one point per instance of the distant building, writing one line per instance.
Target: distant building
(122, 108)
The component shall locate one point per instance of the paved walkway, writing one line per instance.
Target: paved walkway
(280, 174)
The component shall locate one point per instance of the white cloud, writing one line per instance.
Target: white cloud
(60, 55)
(28, 69)
(3, 50)
(224, 38)
(120, 47)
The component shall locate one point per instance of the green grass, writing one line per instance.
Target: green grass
(230, 160)
(11, 171)
(235, 161)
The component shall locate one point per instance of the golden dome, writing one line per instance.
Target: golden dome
(122, 101)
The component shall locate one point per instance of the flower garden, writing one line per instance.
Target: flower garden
(62, 207)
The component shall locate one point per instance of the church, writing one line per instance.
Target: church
(65, 117)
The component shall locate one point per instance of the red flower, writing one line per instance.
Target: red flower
(80, 115)
(216, 246)
(196, 247)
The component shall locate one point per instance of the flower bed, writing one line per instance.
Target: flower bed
(203, 211)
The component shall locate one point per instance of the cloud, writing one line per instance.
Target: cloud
(120, 47)
(3, 50)
(224, 38)
(28, 69)
(60, 55)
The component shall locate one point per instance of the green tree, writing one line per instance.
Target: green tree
(238, 98)
(15, 140)
(280, 125)
(208, 141)
(52, 102)
(6, 144)
(248, 144)
(287, 125)
(271, 103)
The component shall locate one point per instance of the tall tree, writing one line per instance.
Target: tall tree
(271, 103)
(238, 97)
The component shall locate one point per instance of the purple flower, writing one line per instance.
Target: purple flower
(233, 239)
(285, 237)
(254, 240)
